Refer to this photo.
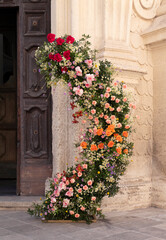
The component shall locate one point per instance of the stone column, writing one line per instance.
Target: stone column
(155, 39)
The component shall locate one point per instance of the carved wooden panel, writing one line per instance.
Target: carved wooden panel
(7, 109)
(2, 145)
(35, 23)
(2, 108)
(36, 132)
(34, 84)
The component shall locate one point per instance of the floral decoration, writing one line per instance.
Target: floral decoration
(104, 148)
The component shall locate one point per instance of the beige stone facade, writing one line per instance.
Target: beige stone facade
(132, 35)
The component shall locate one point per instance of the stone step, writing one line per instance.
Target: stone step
(18, 202)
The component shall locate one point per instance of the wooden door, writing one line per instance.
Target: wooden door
(35, 100)
(34, 151)
(8, 95)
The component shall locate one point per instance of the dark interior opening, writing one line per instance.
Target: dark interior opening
(8, 101)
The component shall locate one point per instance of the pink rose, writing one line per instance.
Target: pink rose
(127, 116)
(67, 182)
(53, 200)
(66, 202)
(111, 109)
(89, 62)
(107, 105)
(78, 71)
(93, 111)
(64, 179)
(112, 117)
(79, 174)
(98, 209)
(71, 189)
(90, 130)
(105, 117)
(124, 99)
(124, 86)
(78, 91)
(101, 115)
(51, 37)
(127, 126)
(117, 100)
(108, 89)
(119, 125)
(89, 182)
(94, 103)
(115, 84)
(118, 109)
(85, 187)
(72, 180)
(112, 98)
(85, 166)
(82, 208)
(77, 215)
(71, 212)
(69, 194)
(58, 175)
(106, 95)
(108, 121)
(79, 190)
(56, 180)
(90, 117)
(61, 186)
(57, 193)
(60, 41)
(93, 198)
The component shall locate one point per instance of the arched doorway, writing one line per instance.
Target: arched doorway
(25, 103)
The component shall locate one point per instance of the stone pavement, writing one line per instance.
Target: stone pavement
(140, 224)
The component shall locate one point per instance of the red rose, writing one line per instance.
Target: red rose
(60, 41)
(64, 69)
(51, 37)
(57, 57)
(66, 54)
(51, 56)
(70, 39)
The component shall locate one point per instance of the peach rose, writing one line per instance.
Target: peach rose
(99, 131)
(90, 117)
(127, 116)
(125, 151)
(124, 99)
(89, 182)
(117, 100)
(107, 105)
(82, 208)
(118, 109)
(93, 111)
(108, 89)
(72, 180)
(85, 166)
(125, 134)
(79, 190)
(79, 174)
(93, 147)
(77, 215)
(106, 95)
(71, 212)
(93, 198)
(112, 117)
(101, 115)
(105, 117)
(101, 146)
(83, 145)
(110, 144)
(119, 150)
(85, 187)
(94, 103)
(112, 98)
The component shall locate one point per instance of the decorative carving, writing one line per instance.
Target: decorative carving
(146, 8)
(2, 108)
(35, 23)
(34, 83)
(2, 145)
(36, 132)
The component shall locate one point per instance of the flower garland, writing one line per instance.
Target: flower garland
(104, 148)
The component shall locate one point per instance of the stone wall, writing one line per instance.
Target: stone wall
(115, 27)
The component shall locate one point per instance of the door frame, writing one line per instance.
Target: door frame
(22, 162)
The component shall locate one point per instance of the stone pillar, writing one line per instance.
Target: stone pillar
(155, 39)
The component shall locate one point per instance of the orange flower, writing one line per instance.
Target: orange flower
(93, 147)
(119, 138)
(125, 151)
(83, 145)
(99, 131)
(112, 127)
(101, 145)
(110, 144)
(119, 150)
(125, 134)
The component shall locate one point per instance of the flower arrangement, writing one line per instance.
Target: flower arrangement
(104, 147)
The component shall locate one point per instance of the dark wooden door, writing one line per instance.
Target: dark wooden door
(8, 95)
(35, 100)
(34, 154)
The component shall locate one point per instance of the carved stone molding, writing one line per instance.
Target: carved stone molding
(146, 8)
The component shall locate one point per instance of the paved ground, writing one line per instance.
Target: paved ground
(149, 224)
